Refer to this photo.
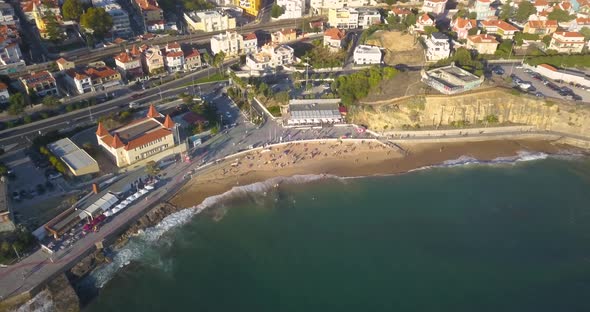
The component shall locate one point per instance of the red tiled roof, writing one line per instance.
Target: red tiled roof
(191, 53)
(568, 34)
(565, 5)
(193, 118)
(168, 123)
(148, 5)
(75, 74)
(100, 72)
(583, 20)
(288, 31)
(463, 22)
(174, 54)
(36, 78)
(175, 45)
(400, 11)
(542, 24)
(148, 137)
(424, 17)
(549, 67)
(334, 33)
(101, 130)
(500, 24)
(482, 38)
(124, 57)
(119, 40)
(116, 142)
(250, 36)
(152, 112)
(541, 3)
(61, 60)
(3, 86)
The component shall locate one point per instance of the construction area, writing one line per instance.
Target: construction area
(400, 47)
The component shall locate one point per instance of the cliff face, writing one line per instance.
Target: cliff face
(474, 108)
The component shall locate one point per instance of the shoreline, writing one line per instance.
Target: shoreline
(366, 163)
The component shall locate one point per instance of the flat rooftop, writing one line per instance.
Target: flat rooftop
(315, 109)
(137, 129)
(75, 157)
(456, 72)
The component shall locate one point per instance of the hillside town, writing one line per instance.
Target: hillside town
(98, 99)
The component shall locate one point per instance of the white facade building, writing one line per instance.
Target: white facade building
(364, 54)
(173, 57)
(317, 6)
(270, 57)
(438, 47)
(293, 8)
(249, 43)
(229, 43)
(121, 26)
(209, 21)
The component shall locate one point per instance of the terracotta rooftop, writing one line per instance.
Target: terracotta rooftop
(101, 130)
(148, 5)
(250, 36)
(424, 17)
(569, 34)
(124, 57)
(152, 112)
(542, 24)
(191, 53)
(463, 22)
(174, 45)
(583, 20)
(100, 72)
(119, 40)
(482, 38)
(3, 86)
(116, 142)
(400, 11)
(36, 78)
(61, 60)
(334, 33)
(499, 24)
(175, 54)
(541, 3)
(168, 123)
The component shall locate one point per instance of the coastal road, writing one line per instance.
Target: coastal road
(23, 134)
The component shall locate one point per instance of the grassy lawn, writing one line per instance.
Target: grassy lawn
(275, 111)
(211, 78)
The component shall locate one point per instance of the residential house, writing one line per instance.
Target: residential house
(434, 7)
(40, 13)
(192, 59)
(333, 39)
(499, 27)
(209, 21)
(151, 12)
(292, 8)
(93, 77)
(230, 43)
(483, 10)
(541, 5)
(402, 13)
(32, 7)
(365, 54)
(317, 26)
(438, 47)
(423, 21)
(64, 64)
(4, 95)
(564, 6)
(343, 18)
(541, 28)
(579, 23)
(583, 7)
(129, 63)
(137, 140)
(283, 35)
(321, 6)
(249, 43)
(462, 26)
(11, 57)
(368, 17)
(153, 60)
(251, 7)
(270, 56)
(41, 83)
(174, 57)
(7, 15)
(567, 42)
(482, 43)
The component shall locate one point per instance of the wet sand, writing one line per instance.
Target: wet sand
(345, 159)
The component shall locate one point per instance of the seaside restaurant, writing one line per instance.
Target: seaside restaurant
(314, 112)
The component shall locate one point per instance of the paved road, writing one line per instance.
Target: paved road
(20, 135)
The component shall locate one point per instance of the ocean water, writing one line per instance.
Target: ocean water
(508, 236)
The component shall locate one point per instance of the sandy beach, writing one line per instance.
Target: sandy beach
(342, 158)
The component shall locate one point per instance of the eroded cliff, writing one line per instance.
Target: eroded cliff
(485, 107)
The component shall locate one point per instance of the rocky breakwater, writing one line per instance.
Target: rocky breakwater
(486, 107)
(151, 218)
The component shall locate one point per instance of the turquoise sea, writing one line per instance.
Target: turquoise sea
(493, 237)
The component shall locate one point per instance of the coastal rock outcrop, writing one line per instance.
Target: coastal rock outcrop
(63, 295)
(477, 107)
(151, 218)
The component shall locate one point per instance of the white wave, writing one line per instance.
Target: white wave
(138, 245)
(42, 302)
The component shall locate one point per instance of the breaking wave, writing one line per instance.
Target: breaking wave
(141, 246)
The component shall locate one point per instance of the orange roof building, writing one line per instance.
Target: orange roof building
(139, 139)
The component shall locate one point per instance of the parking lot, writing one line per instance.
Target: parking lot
(546, 87)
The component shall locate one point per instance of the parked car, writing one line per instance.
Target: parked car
(498, 70)
(539, 94)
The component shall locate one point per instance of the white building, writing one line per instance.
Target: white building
(568, 76)
(293, 8)
(438, 47)
(343, 18)
(364, 54)
(368, 17)
(121, 26)
(249, 43)
(41, 83)
(7, 16)
(435, 7)
(320, 6)
(209, 21)
(270, 57)
(314, 112)
(173, 57)
(11, 57)
(229, 43)
(567, 42)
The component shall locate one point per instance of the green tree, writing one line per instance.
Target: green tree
(428, 30)
(585, 31)
(506, 10)
(5, 248)
(546, 40)
(97, 20)
(560, 16)
(152, 168)
(525, 9)
(462, 56)
(72, 10)
(51, 101)
(16, 104)
(504, 49)
(276, 10)
(410, 20)
(52, 28)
